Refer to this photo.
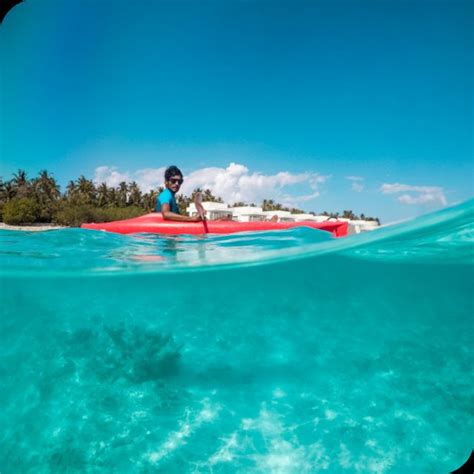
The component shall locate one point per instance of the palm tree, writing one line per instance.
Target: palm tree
(20, 184)
(208, 196)
(6, 190)
(86, 190)
(348, 215)
(122, 194)
(46, 192)
(103, 195)
(46, 188)
(113, 198)
(148, 200)
(20, 178)
(295, 210)
(6, 193)
(267, 205)
(71, 188)
(183, 202)
(70, 193)
(135, 194)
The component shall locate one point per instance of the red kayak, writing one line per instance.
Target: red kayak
(154, 223)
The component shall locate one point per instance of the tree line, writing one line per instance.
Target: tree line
(39, 200)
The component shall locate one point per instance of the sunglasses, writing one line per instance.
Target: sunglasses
(176, 181)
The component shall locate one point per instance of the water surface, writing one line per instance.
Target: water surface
(275, 352)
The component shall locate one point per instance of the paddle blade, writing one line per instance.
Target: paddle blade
(199, 207)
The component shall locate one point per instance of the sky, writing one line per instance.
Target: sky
(320, 105)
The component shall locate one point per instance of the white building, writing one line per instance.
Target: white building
(247, 214)
(214, 210)
(363, 226)
(357, 226)
(308, 217)
(283, 216)
(219, 210)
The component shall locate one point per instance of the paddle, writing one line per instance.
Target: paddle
(200, 210)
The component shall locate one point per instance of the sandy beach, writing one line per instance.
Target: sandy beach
(30, 228)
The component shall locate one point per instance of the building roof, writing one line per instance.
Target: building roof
(278, 213)
(247, 210)
(210, 206)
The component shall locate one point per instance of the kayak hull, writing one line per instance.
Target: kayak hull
(155, 224)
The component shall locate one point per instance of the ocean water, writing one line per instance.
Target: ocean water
(279, 352)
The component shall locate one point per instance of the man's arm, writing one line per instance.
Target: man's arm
(172, 216)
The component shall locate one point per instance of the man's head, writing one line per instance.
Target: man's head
(173, 178)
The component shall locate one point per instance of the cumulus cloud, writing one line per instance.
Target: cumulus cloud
(418, 194)
(110, 175)
(237, 183)
(233, 183)
(357, 183)
(147, 178)
(150, 178)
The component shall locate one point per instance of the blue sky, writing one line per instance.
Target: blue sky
(324, 105)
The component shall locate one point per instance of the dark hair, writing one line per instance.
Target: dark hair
(172, 171)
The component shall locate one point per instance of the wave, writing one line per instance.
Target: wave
(297, 353)
(444, 236)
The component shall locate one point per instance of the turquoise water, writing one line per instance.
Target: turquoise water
(280, 352)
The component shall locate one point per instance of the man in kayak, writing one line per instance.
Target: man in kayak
(166, 202)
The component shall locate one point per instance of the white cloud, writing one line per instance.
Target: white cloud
(233, 183)
(237, 183)
(147, 178)
(150, 178)
(422, 199)
(110, 175)
(419, 194)
(357, 184)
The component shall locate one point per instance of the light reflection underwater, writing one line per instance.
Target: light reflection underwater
(276, 352)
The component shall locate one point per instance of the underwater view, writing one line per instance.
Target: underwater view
(278, 352)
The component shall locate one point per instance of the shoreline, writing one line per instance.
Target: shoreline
(31, 227)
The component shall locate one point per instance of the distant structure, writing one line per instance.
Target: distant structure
(357, 226)
(214, 210)
(219, 210)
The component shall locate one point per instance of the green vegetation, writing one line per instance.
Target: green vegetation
(75, 215)
(184, 201)
(270, 205)
(19, 210)
(350, 215)
(39, 200)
